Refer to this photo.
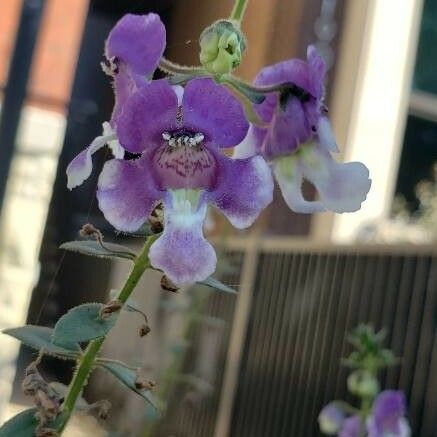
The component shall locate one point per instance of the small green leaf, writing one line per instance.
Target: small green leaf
(40, 337)
(82, 323)
(21, 425)
(215, 283)
(94, 248)
(127, 376)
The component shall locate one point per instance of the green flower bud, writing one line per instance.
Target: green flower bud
(221, 47)
(363, 384)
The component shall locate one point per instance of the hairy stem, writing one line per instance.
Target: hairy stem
(88, 359)
(238, 10)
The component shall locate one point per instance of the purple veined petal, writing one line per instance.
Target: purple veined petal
(248, 147)
(212, 109)
(326, 135)
(138, 41)
(342, 187)
(151, 111)
(387, 418)
(243, 189)
(288, 172)
(127, 192)
(182, 251)
(81, 166)
(352, 427)
(317, 72)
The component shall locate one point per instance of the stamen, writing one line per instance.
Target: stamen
(183, 139)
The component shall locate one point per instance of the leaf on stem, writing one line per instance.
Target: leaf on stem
(95, 248)
(82, 323)
(128, 377)
(22, 425)
(215, 283)
(40, 338)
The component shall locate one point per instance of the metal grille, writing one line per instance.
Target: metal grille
(304, 302)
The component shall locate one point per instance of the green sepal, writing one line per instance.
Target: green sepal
(23, 424)
(127, 376)
(94, 248)
(216, 284)
(40, 338)
(82, 323)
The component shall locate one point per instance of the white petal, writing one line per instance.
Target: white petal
(247, 148)
(288, 173)
(115, 146)
(341, 187)
(326, 135)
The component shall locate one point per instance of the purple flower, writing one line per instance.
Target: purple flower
(133, 50)
(299, 140)
(387, 419)
(352, 427)
(180, 133)
(331, 419)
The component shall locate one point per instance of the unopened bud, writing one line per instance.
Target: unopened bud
(331, 419)
(144, 330)
(144, 384)
(363, 384)
(167, 285)
(221, 47)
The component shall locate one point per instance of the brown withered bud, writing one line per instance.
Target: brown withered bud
(167, 285)
(46, 432)
(156, 219)
(144, 330)
(101, 408)
(48, 404)
(144, 384)
(89, 230)
(110, 308)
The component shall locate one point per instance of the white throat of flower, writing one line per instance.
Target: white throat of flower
(185, 207)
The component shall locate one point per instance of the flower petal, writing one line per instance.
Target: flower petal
(138, 41)
(81, 166)
(244, 188)
(326, 135)
(352, 427)
(341, 187)
(127, 193)
(317, 71)
(146, 115)
(114, 145)
(182, 251)
(212, 109)
(288, 172)
(248, 147)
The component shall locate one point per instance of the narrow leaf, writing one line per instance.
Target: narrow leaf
(40, 337)
(94, 248)
(21, 425)
(128, 377)
(215, 283)
(82, 323)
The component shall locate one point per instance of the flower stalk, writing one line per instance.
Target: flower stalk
(239, 10)
(88, 359)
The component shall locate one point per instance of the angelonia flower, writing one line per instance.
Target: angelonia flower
(132, 52)
(352, 427)
(331, 419)
(298, 140)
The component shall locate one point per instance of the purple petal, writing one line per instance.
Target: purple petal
(388, 410)
(352, 427)
(138, 41)
(212, 110)
(331, 419)
(244, 188)
(146, 115)
(182, 251)
(341, 187)
(317, 72)
(288, 172)
(127, 193)
(81, 166)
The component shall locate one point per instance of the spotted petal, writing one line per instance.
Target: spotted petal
(146, 115)
(127, 193)
(182, 252)
(211, 109)
(138, 41)
(341, 187)
(243, 189)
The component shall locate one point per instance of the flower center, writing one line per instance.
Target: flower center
(183, 161)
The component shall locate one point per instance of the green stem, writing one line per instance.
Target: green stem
(238, 10)
(88, 359)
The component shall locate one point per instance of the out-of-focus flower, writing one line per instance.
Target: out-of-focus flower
(352, 427)
(388, 416)
(363, 383)
(179, 133)
(299, 140)
(133, 50)
(331, 419)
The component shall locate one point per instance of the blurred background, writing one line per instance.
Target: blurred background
(262, 362)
